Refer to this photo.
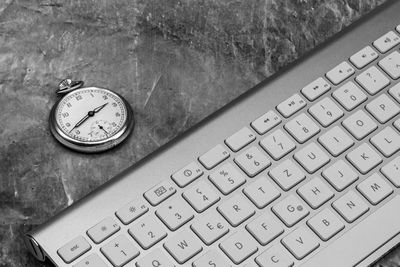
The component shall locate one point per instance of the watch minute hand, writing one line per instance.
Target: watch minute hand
(99, 108)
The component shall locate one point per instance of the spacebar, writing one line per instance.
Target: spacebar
(363, 239)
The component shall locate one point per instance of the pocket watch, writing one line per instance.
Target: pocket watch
(90, 119)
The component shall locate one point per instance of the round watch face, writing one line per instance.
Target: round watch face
(90, 116)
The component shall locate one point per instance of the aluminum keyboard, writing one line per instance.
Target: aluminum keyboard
(277, 191)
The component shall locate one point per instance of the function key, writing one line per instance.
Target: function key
(160, 192)
(386, 42)
(103, 230)
(340, 73)
(266, 122)
(214, 157)
(291, 105)
(73, 249)
(132, 211)
(391, 65)
(315, 89)
(187, 174)
(240, 139)
(364, 57)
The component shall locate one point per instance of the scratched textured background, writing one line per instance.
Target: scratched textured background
(174, 61)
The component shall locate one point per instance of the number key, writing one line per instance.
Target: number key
(277, 144)
(302, 128)
(148, 231)
(120, 251)
(326, 112)
(175, 213)
(349, 96)
(201, 196)
(252, 161)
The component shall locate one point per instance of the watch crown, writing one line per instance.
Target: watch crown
(68, 85)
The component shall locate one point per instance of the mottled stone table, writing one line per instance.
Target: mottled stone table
(174, 61)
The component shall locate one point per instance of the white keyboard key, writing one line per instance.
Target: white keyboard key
(383, 108)
(148, 231)
(301, 242)
(91, 261)
(290, 210)
(155, 258)
(120, 251)
(340, 175)
(183, 246)
(336, 141)
(363, 238)
(239, 246)
(212, 258)
(398, 28)
(214, 157)
(392, 171)
(132, 210)
(325, 224)
(236, 210)
(364, 57)
(277, 144)
(372, 80)
(315, 89)
(364, 158)
(349, 96)
(187, 174)
(240, 139)
(391, 65)
(291, 105)
(311, 157)
(160, 192)
(340, 73)
(275, 256)
(302, 128)
(397, 124)
(266, 122)
(227, 178)
(265, 228)
(261, 192)
(210, 227)
(375, 189)
(359, 124)
(386, 42)
(326, 112)
(175, 213)
(387, 141)
(394, 91)
(287, 174)
(350, 206)
(201, 196)
(315, 192)
(252, 161)
(103, 230)
(74, 249)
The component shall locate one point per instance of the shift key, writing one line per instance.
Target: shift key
(73, 249)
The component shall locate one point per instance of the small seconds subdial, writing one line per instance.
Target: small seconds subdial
(91, 115)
